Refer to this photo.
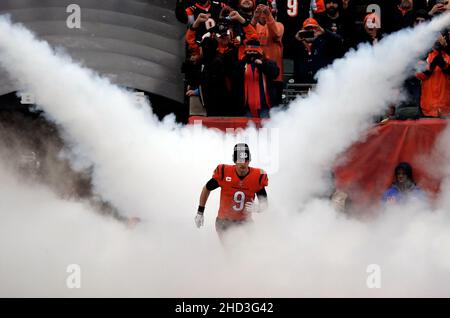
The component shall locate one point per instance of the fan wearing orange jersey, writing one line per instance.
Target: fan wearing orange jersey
(239, 185)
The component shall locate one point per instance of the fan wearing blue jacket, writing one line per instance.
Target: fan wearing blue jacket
(403, 186)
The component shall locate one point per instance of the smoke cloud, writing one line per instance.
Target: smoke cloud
(155, 170)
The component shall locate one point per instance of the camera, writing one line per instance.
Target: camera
(306, 34)
(222, 29)
(225, 20)
(223, 25)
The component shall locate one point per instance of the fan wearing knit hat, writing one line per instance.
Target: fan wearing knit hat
(253, 47)
(310, 31)
(314, 49)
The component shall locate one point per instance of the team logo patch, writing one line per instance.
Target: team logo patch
(228, 179)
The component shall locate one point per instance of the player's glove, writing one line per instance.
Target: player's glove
(251, 207)
(199, 219)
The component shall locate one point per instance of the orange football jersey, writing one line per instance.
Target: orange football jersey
(236, 192)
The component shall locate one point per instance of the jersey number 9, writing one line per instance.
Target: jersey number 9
(239, 198)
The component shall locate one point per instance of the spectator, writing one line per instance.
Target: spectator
(292, 16)
(229, 51)
(372, 29)
(211, 7)
(270, 34)
(420, 16)
(339, 20)
(403, 186)
(314, 49)
(227, 27)
(246, 9)
(330, 19)
(192, 69)
(403, 16)
(211, 77)
(438, 6)
(410, 107)
(242, 28)
(317, 7)
(392, 12)
(255, 75)
(180, 10)
(435, 99)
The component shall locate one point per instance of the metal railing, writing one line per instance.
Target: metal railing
(293, 90)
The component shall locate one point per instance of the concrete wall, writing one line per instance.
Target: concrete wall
(136, 43)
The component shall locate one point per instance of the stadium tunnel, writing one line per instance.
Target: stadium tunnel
(137, 44)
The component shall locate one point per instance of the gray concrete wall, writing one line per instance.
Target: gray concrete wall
(136, 43)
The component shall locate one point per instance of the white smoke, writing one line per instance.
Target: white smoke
(156, 170)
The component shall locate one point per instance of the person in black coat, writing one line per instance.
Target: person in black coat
(211, 79)
(314, 49)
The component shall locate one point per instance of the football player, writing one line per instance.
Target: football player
(239, 184)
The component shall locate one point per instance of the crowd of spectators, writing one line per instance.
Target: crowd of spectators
(236, 50)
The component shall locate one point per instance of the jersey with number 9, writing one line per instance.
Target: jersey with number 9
(235, 192)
